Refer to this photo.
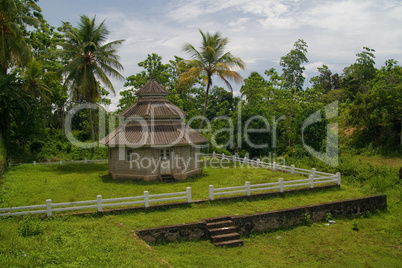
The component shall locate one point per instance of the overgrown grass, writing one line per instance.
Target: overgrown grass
(31, 185)
(108, 241)
(376, 244)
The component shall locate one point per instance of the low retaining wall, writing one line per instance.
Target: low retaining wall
(286, 218)
(268, 221)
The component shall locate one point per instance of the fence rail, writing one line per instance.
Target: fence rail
(315, 177)
(274, 166)
(280, 185)
(98, 204)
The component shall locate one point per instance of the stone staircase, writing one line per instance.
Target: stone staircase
(222, 232)
(167, 178)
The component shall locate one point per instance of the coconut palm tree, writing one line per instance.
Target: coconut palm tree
(33, 81)
(13, 48)
(90, 60)
(211, 59)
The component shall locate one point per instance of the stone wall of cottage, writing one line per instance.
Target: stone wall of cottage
(145, 162)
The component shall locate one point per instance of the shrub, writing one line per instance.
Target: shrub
(2, 157)
(30, 227)
(307, 218)
(355, 225)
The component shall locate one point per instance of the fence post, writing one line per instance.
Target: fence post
(313, 172)
(311, 177)
(99, 202)
(339, 177)
(274, 167)
(188, 194)
(248, 188)
(61, 162)
(233, 158)
(34, 163)
(49, 207)
(223, 156)
(146, 199)
(213, 154)
(86, 161)
(258, 162)
(245, 160)
(292, 169)
(211, 192)
(281, 185)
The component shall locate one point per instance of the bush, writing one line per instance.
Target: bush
(2, 157)
(30, 227)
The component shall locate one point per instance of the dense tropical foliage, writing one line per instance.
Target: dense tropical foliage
(46, 71)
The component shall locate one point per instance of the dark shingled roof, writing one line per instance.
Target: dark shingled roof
(158, 122)
(152, 88)
(156, 133)
(146, 107)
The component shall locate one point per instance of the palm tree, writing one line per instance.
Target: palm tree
(210, 60)
(33, 81)
(91, 59)
(13, 48)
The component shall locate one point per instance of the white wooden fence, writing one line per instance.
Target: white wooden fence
(315, 177)
(98, 204)
(274, 166)
(280, 186)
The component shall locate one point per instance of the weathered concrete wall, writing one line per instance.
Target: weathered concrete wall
(296, 216)
(182, 232)
(146, 163)
(269, 220)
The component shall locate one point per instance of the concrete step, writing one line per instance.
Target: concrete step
(222, 230)
(219, 224)
(225, 237)
(231, 243)
(167, 178)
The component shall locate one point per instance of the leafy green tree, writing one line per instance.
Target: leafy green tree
(11, 99)
(326, 81)
(378, 111)
(91, 59)
(292, 65)
(255, 90)
(165, 74)
(154, 68)
(14, 17)
(210, 60)
(356, 77)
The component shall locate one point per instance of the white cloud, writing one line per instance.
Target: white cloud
(260, 31)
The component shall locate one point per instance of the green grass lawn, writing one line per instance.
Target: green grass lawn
(109, 241)
(31, 185)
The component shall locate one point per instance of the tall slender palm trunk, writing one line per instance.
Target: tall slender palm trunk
(92, 127)
(205, 105)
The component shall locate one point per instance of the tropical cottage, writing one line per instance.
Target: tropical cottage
(153, 143)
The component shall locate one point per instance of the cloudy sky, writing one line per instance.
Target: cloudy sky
(260, 31)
